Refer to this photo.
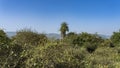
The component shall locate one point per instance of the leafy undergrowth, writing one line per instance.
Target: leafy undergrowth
(56, 56)
(103, 58)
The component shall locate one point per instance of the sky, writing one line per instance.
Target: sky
(101, 16)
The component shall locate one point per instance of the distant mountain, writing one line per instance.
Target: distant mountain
(55, 35)
(50, 35)
(104, 36)
(10, 34)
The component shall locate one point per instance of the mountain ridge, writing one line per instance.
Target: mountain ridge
(54, 35)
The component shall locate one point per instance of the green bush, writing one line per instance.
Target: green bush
(116, 38)
(56, 56)
(107, 43)
(103, 57)
(4, 40)
(81, 39)
(27, 37)
(10, 56)
(90, 47)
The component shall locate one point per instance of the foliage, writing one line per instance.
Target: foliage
(83, 38)
(64, 27)
(91, 38)
(10, 56)
(103, 57)
(56, 56)
(90, 47)
(3, 38)
(70, 38)
(107, 43)
(29, 49)
(116, 37)
(27, 37)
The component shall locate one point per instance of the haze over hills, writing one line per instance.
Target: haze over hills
(49, 35)
(10, 34)
(53, 35)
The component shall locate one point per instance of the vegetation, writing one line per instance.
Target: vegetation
(63, 29)
(29, 49)
(116, 38)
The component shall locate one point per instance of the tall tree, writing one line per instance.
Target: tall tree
(63, 29)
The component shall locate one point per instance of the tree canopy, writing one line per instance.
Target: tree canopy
(63, 29)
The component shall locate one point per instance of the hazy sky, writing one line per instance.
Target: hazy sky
(102, 16)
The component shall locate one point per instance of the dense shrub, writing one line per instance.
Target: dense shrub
(71, 38)
(10, 56)
(83, 38)
(116, 38)
(90, 47)
(107, 43)
(56, 56)
(103, 58)
(27, 37)
(4, 40)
